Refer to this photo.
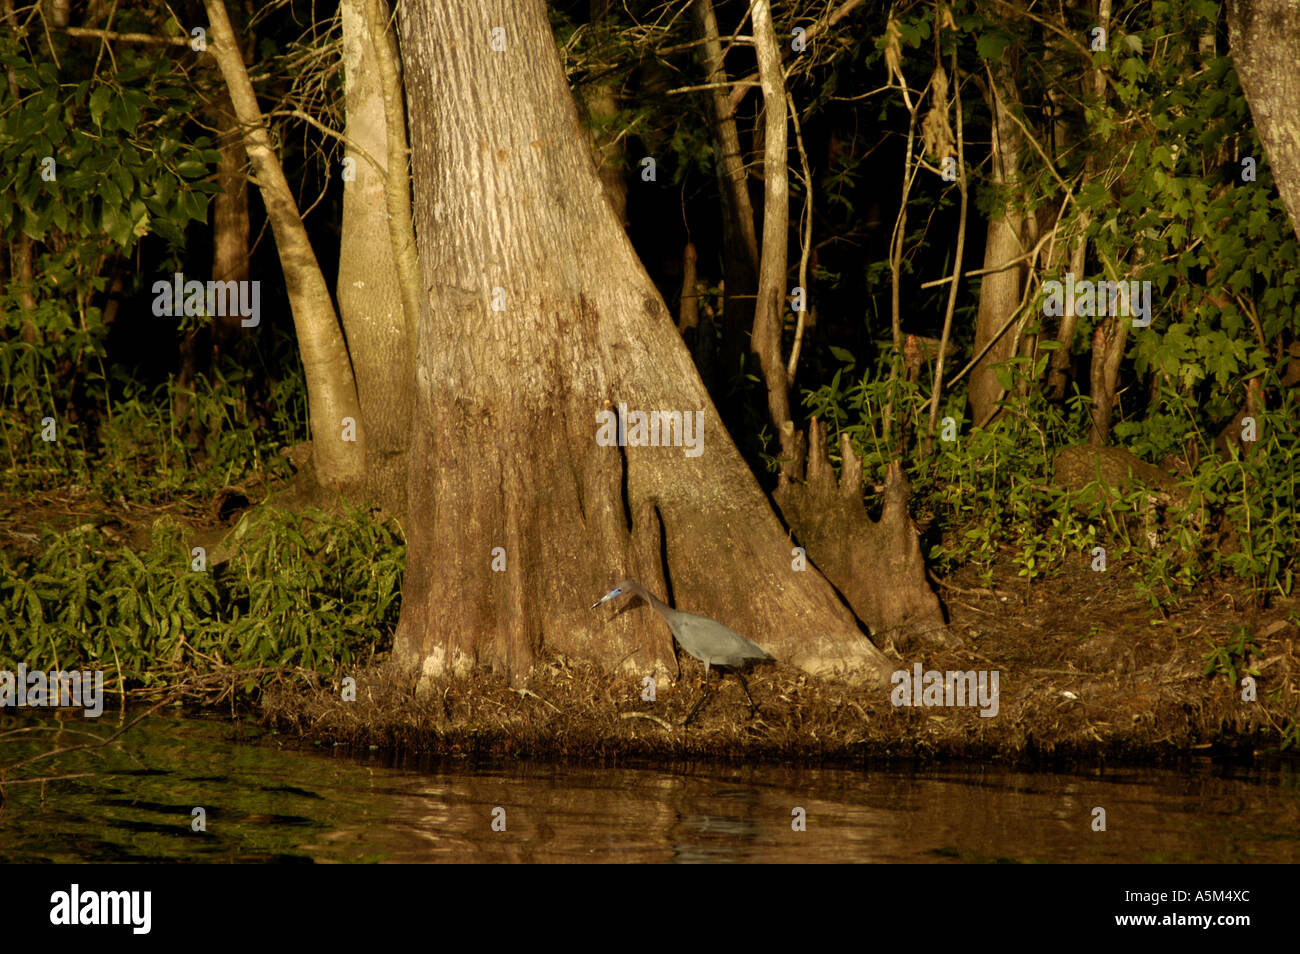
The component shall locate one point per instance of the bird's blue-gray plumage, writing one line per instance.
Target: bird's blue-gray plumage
(706, 639)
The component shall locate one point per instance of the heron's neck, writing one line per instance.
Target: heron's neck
(656, 604)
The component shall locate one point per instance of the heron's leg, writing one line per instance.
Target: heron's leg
(753, 708)
(703, 696)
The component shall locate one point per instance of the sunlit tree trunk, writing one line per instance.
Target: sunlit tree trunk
(1000, 289)
(539, 317)
(1265, 39)
(369, 287)
(769, 310)
(337, 438)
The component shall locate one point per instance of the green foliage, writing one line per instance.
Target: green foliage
(601, 56)
(990, 491)
(98, 152)
(992, 487)
(120, 437)
(39, 379)
(1291, 734)
(1258, 496)
(1153, 166)
(309, 591)
(92, 162)
(989, 487)
(1230, 658)
(1166, 203)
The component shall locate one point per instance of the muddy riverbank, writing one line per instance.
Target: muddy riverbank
(1084, 670)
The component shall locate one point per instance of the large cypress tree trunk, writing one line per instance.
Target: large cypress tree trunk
(538, 316)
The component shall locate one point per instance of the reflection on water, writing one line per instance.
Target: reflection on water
(268, 803)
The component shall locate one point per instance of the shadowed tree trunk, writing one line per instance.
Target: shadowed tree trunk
(1108, 344)
(740, 241)
(1057, 377)
(600, 105)
(230, 224)
(1265, 39)
(230, 245)
(538, 321)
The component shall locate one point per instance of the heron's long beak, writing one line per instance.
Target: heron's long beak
(606, 598)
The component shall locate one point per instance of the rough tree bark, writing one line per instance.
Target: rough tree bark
(876, 565)
(538, 317)
(1264, 36)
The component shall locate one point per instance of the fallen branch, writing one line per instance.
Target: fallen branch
(529, 692)
(645, 715)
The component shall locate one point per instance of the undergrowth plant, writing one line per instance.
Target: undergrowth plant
(990, 491)
(1231, 658)
(117, 436)
(299, 591)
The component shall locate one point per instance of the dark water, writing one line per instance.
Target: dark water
(270, 800)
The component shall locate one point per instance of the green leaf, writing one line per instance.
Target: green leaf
(122, 176)
(991, 44)
(112, 194)
(99, 102)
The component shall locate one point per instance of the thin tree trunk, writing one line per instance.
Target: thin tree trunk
(1000, 289)
(230, 223)
(20, 249)
(230, 251)
(25, 276)
(959, 257)
(769, 310)
(1057, 377)
(802, 320)
(740, 242)
(1108, 343)
(688, 311)
(397, 185)
(371, 293)
(331, 394)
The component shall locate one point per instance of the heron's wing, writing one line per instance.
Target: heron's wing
(703, 637)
